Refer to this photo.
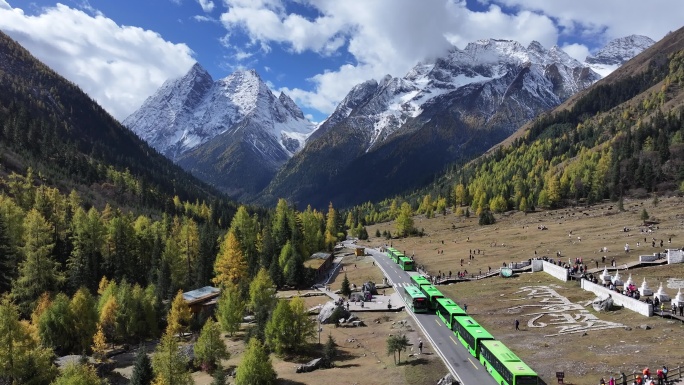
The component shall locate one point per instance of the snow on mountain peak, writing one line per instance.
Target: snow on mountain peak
(617, 52)
(193, 109)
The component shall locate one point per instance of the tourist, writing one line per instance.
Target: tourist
(420, 346)
(602, 382)
(659, 374)
(611, 381)
(665, 374)
(647, 373)
(517, 325)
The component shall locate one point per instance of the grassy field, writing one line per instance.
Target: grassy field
(576, 233)
(496, 302)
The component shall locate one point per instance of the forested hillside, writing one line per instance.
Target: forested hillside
(49, 124)
(99, 234)
(622, 137)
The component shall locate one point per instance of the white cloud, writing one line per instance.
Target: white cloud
(207, 5)
(577, 51)
(383, 36)
(609, 19)
(118, 66)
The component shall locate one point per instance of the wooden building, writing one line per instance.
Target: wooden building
(204, 298)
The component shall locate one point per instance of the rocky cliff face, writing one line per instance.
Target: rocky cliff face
(223, 131)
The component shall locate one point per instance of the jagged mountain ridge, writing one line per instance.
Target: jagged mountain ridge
(210, 127)
(617, 52)
(401, 131)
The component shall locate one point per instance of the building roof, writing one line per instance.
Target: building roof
(320, 255)
(200, 294)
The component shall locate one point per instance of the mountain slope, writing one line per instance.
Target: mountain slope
(617, 52)
(50, 124)
(233, 133)
(396, 134)
(622, 136)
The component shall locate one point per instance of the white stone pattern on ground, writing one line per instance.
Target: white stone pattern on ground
(557, 311)
(675, 283)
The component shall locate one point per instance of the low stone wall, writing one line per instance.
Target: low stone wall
(675, 256)
(647, 258)
(635, 305)
(556, 271)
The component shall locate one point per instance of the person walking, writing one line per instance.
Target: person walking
(517, 325)
(420, 346)
(465, 307)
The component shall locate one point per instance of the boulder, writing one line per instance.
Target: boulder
(329, 309)
(645, 327)
(448, 380)
(310, 366)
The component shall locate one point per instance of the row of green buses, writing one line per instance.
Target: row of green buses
(500, 362)
(399, 258)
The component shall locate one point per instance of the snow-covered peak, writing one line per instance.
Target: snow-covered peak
(189, 111)
(617, 52)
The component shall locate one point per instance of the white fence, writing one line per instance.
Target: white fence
(556, 271)
(635, 305)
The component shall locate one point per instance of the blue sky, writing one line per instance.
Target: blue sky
(121, 51)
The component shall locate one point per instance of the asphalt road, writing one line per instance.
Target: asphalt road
(466, 369)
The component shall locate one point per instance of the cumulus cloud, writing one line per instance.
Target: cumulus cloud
(607, 19)
(118, 66)
(382, 36)
(576, 51)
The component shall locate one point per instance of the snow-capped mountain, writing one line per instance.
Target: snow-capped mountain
(617, 52)
(193, 116)
(400, 131)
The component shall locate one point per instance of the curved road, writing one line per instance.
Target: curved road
(466, 369)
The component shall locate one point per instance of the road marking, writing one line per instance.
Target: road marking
(476, 368)
(453, 340)
(437, 322)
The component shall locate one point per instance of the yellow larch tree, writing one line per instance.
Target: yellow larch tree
(230, 265)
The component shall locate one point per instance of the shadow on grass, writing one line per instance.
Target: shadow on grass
(417, 361)
(289, 382)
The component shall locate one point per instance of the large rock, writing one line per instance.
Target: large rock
(448, 380)
(325, 316)
(310, 366)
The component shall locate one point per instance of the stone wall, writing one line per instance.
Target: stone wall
(635, 305)
(648, 258)
(675, 256)
(556, 271)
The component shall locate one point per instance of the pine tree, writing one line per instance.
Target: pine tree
(231, 309)
(256, 366)
(142, 369)
(179, 315)
(99, 346)
(7, 257)
(331, 227)
(168, 364)
(23, 360)
(85, 318)
(210, 349)
(79, 374)
(85, 259)
(39, 272)
(56, 325)
(262, 300)
(219, 376)
(644, 215)
(397, 344)
(404, 223)
(330, 351)
(346, 287)
(230, 265)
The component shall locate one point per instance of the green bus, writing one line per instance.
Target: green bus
(415, 299)
(448, 310)
(393, 254)
(432, 294)
(471, 334)
(419, 280)
(406, 263)
(504, 366)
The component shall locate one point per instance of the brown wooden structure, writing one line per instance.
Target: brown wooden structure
(202, 299)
